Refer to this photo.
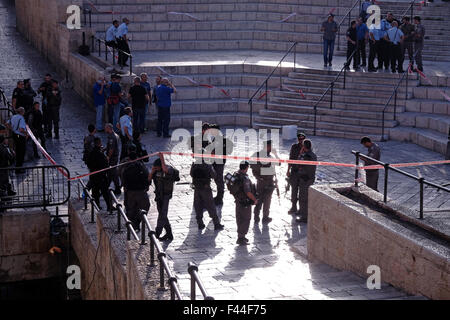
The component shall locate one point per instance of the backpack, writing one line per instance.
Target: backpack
(135, 176)
(235, 184)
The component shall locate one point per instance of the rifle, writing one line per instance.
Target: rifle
(277, 188)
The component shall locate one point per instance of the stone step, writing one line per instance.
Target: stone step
(429, 139)
(309, 116)
(428, 106)
(319, 132)
(222, 118)
(431, 121)
(348, 104)
(338, 110)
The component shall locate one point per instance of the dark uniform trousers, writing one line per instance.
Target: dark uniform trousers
(113, 174)
(125, 142)
(396, 59)
(162, 204)
(418, 47)
(135, 201)
(350, 48)
(361, 53)
(219, 179)
(374, 51)
(203, 199)
(53, 120)
(294, 180)
(372, 179)
(407, 46)
(123, 45)
(264, 189)
(20, 143)
(384, 50)
(303, 188)
(243, 217)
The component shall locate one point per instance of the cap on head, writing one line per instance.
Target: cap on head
(301, 135)
(244, 165)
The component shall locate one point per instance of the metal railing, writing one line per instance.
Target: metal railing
(394, 96)
(411, 9)
(331, 88)
(347, 15)
(265, 83)
(30, 187)
(388, 167)
(196, 281)
(99, 43)
(87, 13)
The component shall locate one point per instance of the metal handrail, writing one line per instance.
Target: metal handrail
(349, 18)
(114, 49)
(4, 100)
(394, 95)
(265, 82)
(196, 281)
(388, 167)
(162, 257)
(331, 87)
(121, 215)
(87, 12)
(410, 7)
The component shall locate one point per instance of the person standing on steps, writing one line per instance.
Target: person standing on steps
(419, 35)
(408, 43)
(43, 90)
(164, 178)
(147, 86)
(375, 153)
(111, 35)
(374, 49)
(395, 37)
(112, 154)
(20, 135)
(99, 94)
(122, 43)
(35, 123)
(329, 29)
(362, 36)
(351, 46)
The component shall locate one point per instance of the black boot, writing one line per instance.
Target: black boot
(158, 232)
(168, 236)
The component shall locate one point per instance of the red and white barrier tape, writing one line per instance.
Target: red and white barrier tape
(446, 97)
(185, 14)
(293, 14)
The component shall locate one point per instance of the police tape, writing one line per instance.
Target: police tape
(446, 97)
(185, 14)
(240, 158)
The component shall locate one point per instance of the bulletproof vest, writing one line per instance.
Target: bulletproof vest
(256, 169)
(135, 177)
(200, 175)
(235, 184)
(164, 182)
(88, 147)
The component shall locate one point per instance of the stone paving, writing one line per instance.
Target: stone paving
(272, 266)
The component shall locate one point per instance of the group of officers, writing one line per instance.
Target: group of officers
(209, 149)
(388, 43)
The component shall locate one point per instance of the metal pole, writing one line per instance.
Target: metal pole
(345, 76)
(99, 48)
(131, 65)
(43, 188)
(143, 230)
(128, 226)
(85, 198)
(152, 248)
(407, 76)
(92, 211)
(315, 119)
(93, 44)
(356, 169)
(106, 52)
(266, 95)
(110, 202)
(192, 268)
(281, 65)
(161, 255)
(421, 197)
(119, 213)
(331, 98)
(382, 126)
(395, 105)
(251, 113)
(386, 174)
(295, 56)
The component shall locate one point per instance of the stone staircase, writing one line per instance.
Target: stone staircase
(357, 110)
(426, 121)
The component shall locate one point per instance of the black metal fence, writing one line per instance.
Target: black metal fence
(387, 168)
(108, 51)
(30, 187)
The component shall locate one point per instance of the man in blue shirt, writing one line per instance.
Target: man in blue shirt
(148, 88)
(374, 48)
(385, 25)
(18, 126)
(362, 35)
(111, 34)
(122, 42)
(164, 97)
(395, 37)
(99, 102)
(329, 29)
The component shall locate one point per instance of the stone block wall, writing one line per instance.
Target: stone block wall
(350, 236)
(24, 246)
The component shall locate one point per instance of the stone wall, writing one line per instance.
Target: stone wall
(24, 247)
(112, 268)
(350, 236)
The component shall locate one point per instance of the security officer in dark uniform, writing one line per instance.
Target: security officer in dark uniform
(35, 122)
(244, 199)
(97, 161)
(135, 180)
(112, 153)
(264, 174)
(375, 153)
(54, 101)
(219, 146)
(292, 173)
(6, 159)
(202, 173)
(164, 178)
(351, 46)
(43, 90)
(307, 175)
(199, 142)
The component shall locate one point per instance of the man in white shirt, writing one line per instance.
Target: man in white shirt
(395, 36)
(122, 42)
(18, 125)
(111, 34)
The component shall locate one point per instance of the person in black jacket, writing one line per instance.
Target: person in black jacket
(35, 122)
(54, 100)
(6, 159)
(307, 174)
(97, 161)
(44, 88)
